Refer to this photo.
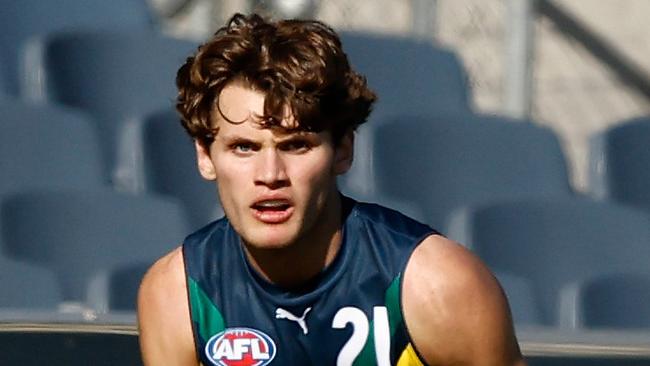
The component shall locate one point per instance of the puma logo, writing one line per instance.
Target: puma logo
(283, 314)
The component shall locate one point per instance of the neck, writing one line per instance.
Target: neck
(293, 266)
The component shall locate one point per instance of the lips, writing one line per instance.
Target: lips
(272, 210)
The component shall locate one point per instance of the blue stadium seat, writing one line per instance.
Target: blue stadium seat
(445, 163)
(123, 285)
(409, 76)
(26, 286)
(614, 300)
(171, 169)
(24, 19)
(520, 292)
(4, 87)
(556, 242)
(81, 234)
(619, 161)
(47, 146)
(118, 77)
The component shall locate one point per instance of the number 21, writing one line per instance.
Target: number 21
(360, 330)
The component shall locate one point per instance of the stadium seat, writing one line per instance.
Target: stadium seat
(47, 146)
(118, 77)
(26, 286)
(521, 298)
(409, 76)
(4, 88)
(614, 300)
(619, 161)
(170, 167)
(123, 285)
(556, 242)
(22, 20)
(445, 163)
(81, 234)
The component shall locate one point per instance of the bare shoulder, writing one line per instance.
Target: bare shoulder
(163, 314)
(455, 309)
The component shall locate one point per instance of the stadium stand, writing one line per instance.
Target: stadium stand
(456, 161)
(556, 242)
(170, 167)
(618, 163)
(521, 298)
(118, 77)
(123, 285)
(4, 88)
(20, 21)
(429, 79)
(81, 234)
(47, 146)
(615, 300)
(25, 286)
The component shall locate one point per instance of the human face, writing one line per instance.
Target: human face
(276, 187)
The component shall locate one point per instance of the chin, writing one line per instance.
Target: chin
(273, 238)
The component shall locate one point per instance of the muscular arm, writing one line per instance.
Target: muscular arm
(163, 314)
(455, 310)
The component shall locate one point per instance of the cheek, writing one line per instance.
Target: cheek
(230, 170)
(314, 172)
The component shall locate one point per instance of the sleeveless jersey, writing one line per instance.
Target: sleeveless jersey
(349, 315)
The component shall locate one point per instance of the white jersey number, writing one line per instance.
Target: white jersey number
(360, 330)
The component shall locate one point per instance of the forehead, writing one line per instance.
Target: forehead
(240, 110)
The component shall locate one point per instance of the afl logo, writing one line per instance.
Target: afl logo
(240, 347)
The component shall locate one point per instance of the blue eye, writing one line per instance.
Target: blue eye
(243, 147)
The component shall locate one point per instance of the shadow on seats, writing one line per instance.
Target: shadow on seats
(170, 168)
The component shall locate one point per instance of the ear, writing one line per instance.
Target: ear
(344, 153)
(204, 161)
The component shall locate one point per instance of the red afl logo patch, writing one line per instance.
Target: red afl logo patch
(240, 347)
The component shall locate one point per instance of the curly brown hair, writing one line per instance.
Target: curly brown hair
(297, 64)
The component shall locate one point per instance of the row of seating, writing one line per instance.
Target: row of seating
(90, 241)
(568, 228)
(571, 263)
(456, 160)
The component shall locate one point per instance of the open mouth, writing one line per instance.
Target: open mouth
(273, 211)
(272, 205)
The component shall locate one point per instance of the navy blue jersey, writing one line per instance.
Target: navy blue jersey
(350, 314)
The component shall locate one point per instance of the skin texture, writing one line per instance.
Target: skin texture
(454, 308)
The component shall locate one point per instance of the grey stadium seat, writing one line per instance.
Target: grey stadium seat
(24, 19)
(409, 76)
(619, 161)
(170, 167)
(26, 286)
(118, 77)
(614, 300)
(123, 285)
(520, 292)
(47, 146)
(80, 234)
(445, 163)
(556, 242)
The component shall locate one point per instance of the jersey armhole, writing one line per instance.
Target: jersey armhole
(190, 306)
(415, 353)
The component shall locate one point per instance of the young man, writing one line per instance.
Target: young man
(296, 274)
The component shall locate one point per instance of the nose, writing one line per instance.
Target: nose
(271, 170)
